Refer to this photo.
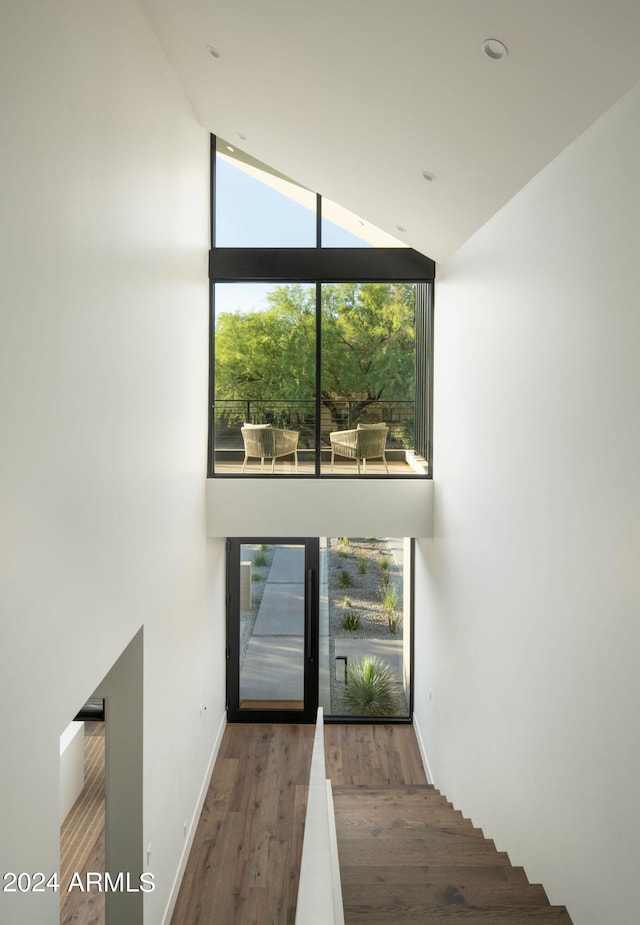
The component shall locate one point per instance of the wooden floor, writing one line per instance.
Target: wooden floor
(372, 755)
(244, 863)
(406, 856)
(82, 836)
(243, 866)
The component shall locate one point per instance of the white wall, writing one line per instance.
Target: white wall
(319, 507)
(528, 596)
(103, 377)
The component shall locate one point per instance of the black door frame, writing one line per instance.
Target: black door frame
(235, 714)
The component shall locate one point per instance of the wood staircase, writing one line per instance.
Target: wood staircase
(407, 856)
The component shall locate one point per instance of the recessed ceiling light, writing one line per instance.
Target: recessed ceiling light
(230, 148)
(213, 51)
(427, 175)
(495, 49)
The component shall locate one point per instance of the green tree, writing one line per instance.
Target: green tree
(368, 348)
(368, 344)
(268, 354)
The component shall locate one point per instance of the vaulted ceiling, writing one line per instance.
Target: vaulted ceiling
(356, 99)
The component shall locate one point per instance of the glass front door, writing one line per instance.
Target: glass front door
(272, 630)
(320, 621)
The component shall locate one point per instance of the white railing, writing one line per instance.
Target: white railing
(319, 890)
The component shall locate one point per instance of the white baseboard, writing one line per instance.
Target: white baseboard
(423, 753)
(175, 888)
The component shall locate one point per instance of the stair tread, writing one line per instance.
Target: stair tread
(392, 796)
(445, 872)
(433, 892)
(393, 914)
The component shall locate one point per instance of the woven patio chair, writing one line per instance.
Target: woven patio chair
(367, 441)
(267, 442)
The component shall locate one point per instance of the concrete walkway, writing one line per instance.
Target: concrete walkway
(273, 666)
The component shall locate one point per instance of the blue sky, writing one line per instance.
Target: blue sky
(251, 214)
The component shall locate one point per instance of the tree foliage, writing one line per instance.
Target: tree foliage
(268, 354)
(368, 342)
(368, 345)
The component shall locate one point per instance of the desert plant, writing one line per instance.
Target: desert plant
(351, 620)
(369, 690)
(343, 554)
(362, 564)
(256, 576)
(384, 563)
(345, 580)
(260, 559)
(389, 596)
(385, 579)
(263, 547)
(394, 620)
(345, 540)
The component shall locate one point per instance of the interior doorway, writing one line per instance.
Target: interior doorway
(82, 814)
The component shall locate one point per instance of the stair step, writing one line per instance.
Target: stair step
(390, 792)
(393, 875)
(393, 914)
(371, 822)
(411, 857)
(434, 891)
(409, 806)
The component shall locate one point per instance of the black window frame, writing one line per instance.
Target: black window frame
(318, 265)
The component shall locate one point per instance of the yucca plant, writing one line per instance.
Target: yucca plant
(260, 559)
(369, 690)
(351, 620)
(362, 564)
(345, 580)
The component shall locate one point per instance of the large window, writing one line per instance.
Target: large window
(265, 373)
(321, 335)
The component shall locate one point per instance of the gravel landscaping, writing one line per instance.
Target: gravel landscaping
(357, 600)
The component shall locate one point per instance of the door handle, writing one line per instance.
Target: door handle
(308, 647)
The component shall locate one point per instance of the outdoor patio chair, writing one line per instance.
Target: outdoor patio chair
(267, 442)
(367, 441)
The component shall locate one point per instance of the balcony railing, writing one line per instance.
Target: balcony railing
(229, 415)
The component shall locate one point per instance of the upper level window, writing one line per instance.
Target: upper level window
(257, 207)
(321, 342)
